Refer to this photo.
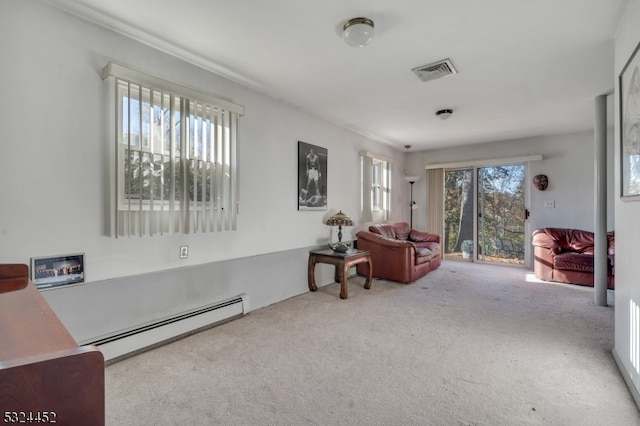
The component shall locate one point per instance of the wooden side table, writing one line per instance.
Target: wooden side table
(342, 263)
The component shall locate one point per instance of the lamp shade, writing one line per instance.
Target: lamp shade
(358, 32)
(339, 219)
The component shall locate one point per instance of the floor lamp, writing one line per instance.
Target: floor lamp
(411, 180)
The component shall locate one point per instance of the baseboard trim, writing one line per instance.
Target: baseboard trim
(627, 379)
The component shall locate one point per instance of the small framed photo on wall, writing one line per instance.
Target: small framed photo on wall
(312, 177)
(630, 128)
(57, 271)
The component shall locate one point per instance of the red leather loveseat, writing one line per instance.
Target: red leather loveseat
(399, 253)
(566, 255)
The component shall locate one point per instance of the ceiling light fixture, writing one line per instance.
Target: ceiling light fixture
(358, 32)
(444, 113)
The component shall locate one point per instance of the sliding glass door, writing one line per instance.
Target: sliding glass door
(458, 213)
(484, 213)
(501, 213)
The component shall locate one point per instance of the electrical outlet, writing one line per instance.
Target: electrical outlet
(549, 204)
(184, 252)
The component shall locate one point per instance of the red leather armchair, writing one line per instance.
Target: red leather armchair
(566, 255)
(399, 253)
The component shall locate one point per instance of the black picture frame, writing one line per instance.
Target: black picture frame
(57, 271)
(312, 177)
(629, 85)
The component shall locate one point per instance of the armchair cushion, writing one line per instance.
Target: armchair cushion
(574, 262)
(574, 240)
(424, 255)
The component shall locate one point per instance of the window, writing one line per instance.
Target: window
(376, 187)
(379, 185)
(175, 157)
(480, 201)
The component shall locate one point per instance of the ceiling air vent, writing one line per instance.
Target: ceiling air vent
(435, 70)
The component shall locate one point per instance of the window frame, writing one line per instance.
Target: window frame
(380, 184)
(193, 129)
(376, 180)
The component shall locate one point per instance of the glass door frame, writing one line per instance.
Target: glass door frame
(479, 219)
(474, 166)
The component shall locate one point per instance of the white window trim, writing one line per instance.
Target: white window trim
(116, 70)
(368, 161)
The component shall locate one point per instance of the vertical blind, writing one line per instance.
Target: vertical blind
(435, 201)
(176, 157)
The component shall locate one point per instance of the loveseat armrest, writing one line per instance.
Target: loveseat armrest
(541, 239)
(391, 258)
(544, 250)
(423, 237)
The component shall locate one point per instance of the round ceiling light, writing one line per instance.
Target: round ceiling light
(444, 113)
(358, 32)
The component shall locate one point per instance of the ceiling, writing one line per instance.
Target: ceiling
(525, 67)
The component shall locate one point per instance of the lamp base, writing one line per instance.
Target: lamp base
(340, 247)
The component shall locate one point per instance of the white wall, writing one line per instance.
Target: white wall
(627, 294)
(568, 161)
(56, 179)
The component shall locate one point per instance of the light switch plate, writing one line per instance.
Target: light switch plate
(184, 252)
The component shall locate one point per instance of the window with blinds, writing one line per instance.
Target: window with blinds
(176, 157)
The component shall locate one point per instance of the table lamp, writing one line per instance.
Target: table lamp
(340, 219)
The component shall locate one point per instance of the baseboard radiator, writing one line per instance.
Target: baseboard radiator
(129, 342)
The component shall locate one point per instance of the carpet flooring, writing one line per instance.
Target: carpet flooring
(468, 344)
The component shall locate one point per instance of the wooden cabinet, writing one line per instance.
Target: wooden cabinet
(45, 377)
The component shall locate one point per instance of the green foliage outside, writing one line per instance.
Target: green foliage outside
(500, 210)
(147, 177)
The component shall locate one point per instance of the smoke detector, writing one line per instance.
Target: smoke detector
(435, 70)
